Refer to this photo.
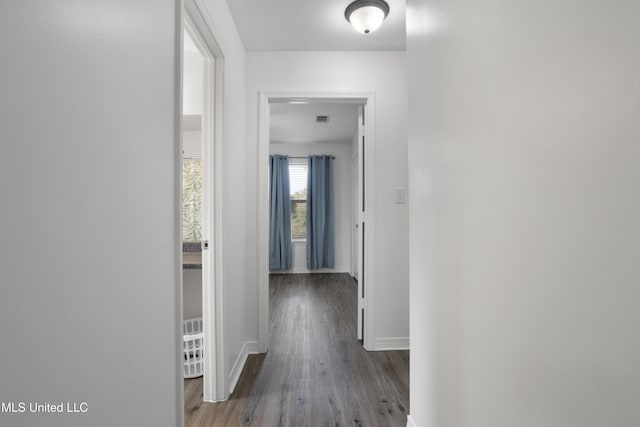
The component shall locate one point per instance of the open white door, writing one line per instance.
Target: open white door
(355, 210)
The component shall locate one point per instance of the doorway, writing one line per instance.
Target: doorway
(202, 143)
(366, 190)
(194, 208)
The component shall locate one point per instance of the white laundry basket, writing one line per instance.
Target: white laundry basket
(193, 346)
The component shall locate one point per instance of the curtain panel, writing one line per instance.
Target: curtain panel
(320, 239)
(279, 214)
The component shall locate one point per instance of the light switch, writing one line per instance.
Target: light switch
(401, 196)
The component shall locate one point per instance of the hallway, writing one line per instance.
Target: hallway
(316, 373)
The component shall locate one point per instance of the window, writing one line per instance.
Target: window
(298, 190)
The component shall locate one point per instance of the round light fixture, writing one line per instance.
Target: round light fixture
(366, 15)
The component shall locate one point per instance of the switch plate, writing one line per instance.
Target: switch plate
(401, 195)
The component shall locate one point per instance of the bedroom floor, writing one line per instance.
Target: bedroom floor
(316, 372)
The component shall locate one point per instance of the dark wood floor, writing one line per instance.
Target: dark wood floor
(316, 373)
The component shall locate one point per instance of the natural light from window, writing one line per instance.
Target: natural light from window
(298, 191)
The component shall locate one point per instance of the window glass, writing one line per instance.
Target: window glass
(298, 190)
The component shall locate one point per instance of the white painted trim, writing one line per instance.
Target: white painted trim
(319, 271)
(410, 422)
(214, 41)
(263, 225)
(370, 223)
(369, 99)
(177, 180)
(203, 33)
(359, 217)
(392, 343)
(305, 270)
(249, 347)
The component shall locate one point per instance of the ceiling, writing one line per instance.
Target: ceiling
(267, 25)
(296, 123)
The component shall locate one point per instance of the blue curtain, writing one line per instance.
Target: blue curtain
(320, 241)
(279, 214)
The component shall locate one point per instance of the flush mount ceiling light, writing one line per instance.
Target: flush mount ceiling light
(366, 15)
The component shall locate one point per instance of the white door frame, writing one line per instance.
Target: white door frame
(360, 221)
(369, 100)
(200, 27)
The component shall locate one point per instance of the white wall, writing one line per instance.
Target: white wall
(89, 252)
(384, 73)
(233, 205)
(192, 143)
(191, 293)
(342, 201)
(525, 242)
(193, 83)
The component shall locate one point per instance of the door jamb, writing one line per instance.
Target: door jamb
(265, 98)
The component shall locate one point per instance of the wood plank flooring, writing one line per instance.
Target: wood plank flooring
(316, 373)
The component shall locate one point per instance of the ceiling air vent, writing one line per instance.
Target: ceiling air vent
(322, 119)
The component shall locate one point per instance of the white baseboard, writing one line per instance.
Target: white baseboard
(391, 343)
(249, 347)
(410, 422)
(304, 270)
